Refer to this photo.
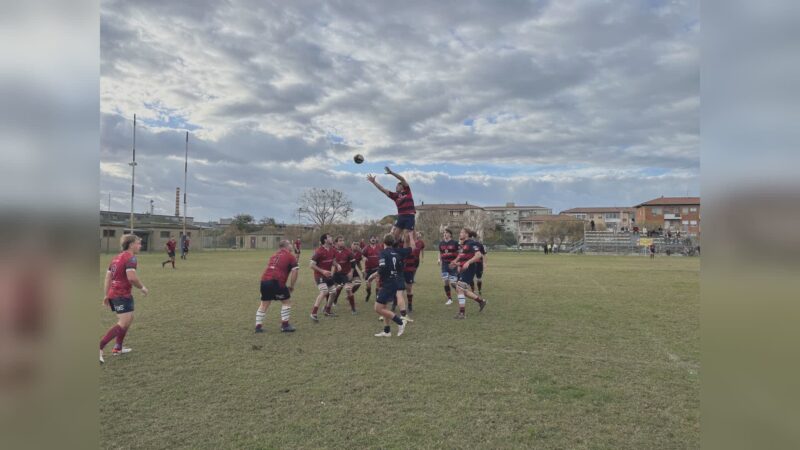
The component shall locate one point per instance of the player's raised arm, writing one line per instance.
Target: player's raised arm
(371, 179)
(389, 171)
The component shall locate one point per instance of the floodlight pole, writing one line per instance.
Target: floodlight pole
(133, 170)
(185, 171)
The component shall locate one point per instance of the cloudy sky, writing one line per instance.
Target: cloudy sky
(560, 104)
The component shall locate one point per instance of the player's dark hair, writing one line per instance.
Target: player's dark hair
(388, 240)
(448, 230)
(339, 238)
(472, 233)
(467, 230)
(323, 238)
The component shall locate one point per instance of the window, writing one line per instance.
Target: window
(655, 210)
(693, 209)
(165, 234)
(685, 222)
(109, 233)
(694, 222)
(685, 210)
(612, 215)
(263, 239)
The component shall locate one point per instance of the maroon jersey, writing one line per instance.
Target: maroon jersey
(411, 262)
(324, 257)
(279, 266)
(297, 245)
(171, 244)
(120, 286)
(372, 253)
(344, 257)
(186, 243)
(404, 201)
(362, 244)
(468, 250)
(357, 257)
(448, 250)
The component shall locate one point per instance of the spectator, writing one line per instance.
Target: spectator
(591, 224)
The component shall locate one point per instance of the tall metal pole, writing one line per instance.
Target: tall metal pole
(133, 169)
(185, 171)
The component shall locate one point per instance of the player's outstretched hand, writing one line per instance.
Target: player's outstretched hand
(371, 178)
(388, 170)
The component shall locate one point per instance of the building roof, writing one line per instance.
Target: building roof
(666, 201)
(448, 206)
(550, 218)
(599, 209)
(515, 207)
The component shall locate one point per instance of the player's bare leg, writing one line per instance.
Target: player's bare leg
(261, 312)
(323, 293)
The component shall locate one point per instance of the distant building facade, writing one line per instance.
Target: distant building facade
(671, 213)
(615, 218)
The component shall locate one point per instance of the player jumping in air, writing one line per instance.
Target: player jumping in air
(120, 277)
(282, 266)
(468, 255)
(405, 204)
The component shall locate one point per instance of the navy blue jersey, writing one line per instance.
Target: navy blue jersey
(390, 263)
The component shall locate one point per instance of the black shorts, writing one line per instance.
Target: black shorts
(409, 277)
(340, 278)
(319, 279)
(271, 290)
(479, 270)
(171, 254)
(369, 273)
(388, 292)
(467, 275)
(121, 305)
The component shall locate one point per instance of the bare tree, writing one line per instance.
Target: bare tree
(432, 222)
(478, 220)
(560, 231)
(324, 207)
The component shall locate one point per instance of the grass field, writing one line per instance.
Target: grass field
(571, 352)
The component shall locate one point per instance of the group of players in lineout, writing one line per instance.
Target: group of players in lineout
(390, 265)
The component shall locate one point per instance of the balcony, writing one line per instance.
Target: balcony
(672, 217)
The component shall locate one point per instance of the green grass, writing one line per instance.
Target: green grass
(571, 352)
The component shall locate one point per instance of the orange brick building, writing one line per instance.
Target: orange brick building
(671, 213)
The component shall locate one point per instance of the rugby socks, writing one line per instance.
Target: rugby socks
(410, 300)
(336, 296)
(260, 318)
(387, 329)
(396, 319)
(369, 292)
(403, 312)
(480, 285)
(352, 299)
(121, 337)
(314, 310)
(110, 334)
(286, 311)
(462, 300)
(447, 291)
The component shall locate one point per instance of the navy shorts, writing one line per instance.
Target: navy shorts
(405, 221)
(409, 277)
(467, 275)
(340, 278)
(121, 305)
(388, 292)
(478, 270)
(449, 273)
(272, 290)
